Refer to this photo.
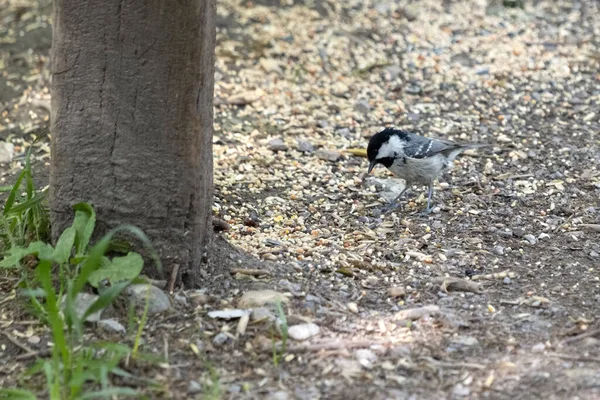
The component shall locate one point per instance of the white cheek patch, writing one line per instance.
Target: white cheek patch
(393, 145)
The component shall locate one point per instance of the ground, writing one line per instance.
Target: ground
(521, 217)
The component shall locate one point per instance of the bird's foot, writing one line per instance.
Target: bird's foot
(389, 207)
(426, 212)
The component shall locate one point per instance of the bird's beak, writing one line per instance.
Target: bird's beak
(371, 166)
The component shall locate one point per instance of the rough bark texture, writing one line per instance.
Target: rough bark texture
(132, 97)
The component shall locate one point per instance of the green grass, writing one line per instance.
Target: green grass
(283, 326)
(75, 369)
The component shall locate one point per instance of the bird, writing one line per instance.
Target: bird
(414, 158)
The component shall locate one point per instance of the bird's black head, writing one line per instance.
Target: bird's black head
(380, 149)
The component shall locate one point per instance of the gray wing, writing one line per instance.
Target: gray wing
(422, 147)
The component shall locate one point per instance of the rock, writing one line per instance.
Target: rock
(194, 387)
(247, 97)
(35, 339)
(388, 189)
(411, 12)
(461, 391)
(82, 302)
(261, 314)
(303, 331)
(396, 292)
(519, 232)
(468, 341)
(280, 395)
(499, 250)
(538, 348)
(220, 339)
(199, 298)
(112, 325)
(365, 357)
(228, 314)
(305, 146)
(345, 132)
(394, 70)
(353, 307)
(7, 152)
(412, 89)
(339, 89)
(270, 65)
(277, 145)
(234, 389)
(506, 281)
(328, 155)
(181, 299)
(158, 300)
(260, 298)
(400, 351)
(362, 106)
(530, 238)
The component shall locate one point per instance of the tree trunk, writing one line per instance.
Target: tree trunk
(132, 120)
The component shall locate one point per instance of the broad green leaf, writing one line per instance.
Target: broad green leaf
(118, 269)
(105, 299)
(64, 245)
(84, 223)
(41, 250)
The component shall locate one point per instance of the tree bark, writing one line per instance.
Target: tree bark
(132, 120)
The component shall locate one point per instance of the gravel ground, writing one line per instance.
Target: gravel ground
(501, 280)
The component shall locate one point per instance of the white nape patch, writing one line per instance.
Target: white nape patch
(392, 146)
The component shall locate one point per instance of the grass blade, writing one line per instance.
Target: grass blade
(30, 202)
(56, 324)
(106, 298)
(13, 193)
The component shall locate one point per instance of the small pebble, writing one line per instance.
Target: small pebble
(530, 238)
(305, 147)
(353, 307)
(506, 281)
(362, 106)
(194, 387)
(328, 155)
(181, 299)
(220, 339)
(538, 348)
(111, 325)
(303, 331)
(396, 292)
(277, 145)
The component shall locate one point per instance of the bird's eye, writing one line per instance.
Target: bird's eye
(395, 154)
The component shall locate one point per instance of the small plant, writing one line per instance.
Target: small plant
(283, 326)
(212, 385)
(75, 367)
(25, 214)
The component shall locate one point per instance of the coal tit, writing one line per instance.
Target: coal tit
(414, 158)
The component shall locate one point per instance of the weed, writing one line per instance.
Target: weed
(74, 367)
(283, 326)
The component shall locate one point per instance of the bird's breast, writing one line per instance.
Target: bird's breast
(419, 170)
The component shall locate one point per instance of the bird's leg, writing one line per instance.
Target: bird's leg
(429, 196)
(394, 203)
